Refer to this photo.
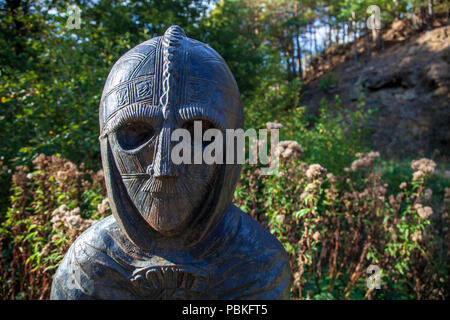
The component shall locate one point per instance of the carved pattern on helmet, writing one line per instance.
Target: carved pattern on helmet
(140, 111)
(171, 42)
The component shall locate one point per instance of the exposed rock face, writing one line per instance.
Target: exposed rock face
(408, 84)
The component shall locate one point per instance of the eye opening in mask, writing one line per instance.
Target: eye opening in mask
(206, 124)
(132, 135)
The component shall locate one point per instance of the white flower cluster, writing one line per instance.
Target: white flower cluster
(364, 160)
(288, 148)
(416, 236)
(423, 212)
(70, 219)
(315, 171)
(103, 207)
(423, 166)
(273, 125)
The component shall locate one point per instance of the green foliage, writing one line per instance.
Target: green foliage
(331, 138)
(50, 88)
(229, 32)
(327, 82)
(52, 77)
(334, 227)
(50, 206)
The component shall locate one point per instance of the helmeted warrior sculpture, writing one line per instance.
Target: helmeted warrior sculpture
(174, 233)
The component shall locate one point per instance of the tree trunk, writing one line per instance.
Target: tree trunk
(367, 43)
(289, 67)
(329, 36)
(315, 40)
(344, 32)
(299, 57)
(423, 16)
(336, 36)
(430, 14)
(254, 11)
(355, 48)
(299, 49)
(376, 38)
(396, 9)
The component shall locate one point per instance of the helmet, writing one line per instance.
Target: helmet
(161, 85)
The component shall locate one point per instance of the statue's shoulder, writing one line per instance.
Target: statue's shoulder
(89, 266)
(99, 235)
(255, 258)
(253, 234)
(96, 242)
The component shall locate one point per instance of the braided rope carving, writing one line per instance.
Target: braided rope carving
(171, 40)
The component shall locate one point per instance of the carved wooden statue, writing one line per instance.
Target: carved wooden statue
(174, 233)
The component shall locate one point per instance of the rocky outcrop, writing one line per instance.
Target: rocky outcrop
(408, 84)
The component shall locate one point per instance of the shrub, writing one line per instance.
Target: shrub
(335, 226)
(332, 226)
(50, 206)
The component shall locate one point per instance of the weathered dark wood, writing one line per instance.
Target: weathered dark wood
(174, 233)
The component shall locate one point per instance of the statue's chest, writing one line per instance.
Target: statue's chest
(170, 282)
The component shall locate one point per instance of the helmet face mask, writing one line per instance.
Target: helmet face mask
(166, 195)
(161, 85)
